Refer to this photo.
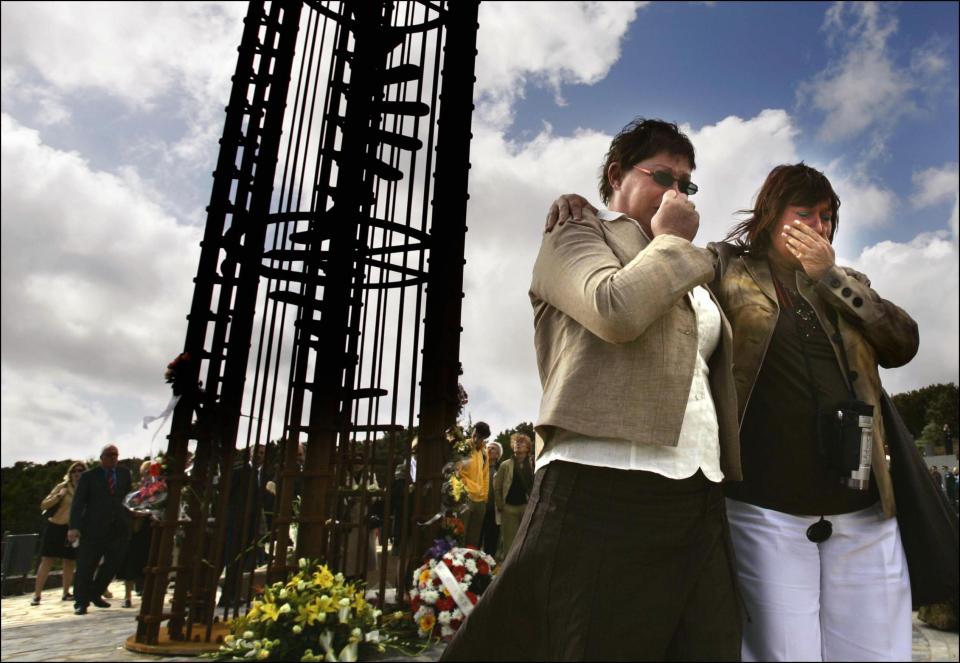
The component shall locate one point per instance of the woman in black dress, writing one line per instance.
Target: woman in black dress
(55, 544)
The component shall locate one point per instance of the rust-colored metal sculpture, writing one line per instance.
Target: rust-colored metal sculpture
(334, 251)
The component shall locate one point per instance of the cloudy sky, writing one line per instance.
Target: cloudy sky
(111, 114)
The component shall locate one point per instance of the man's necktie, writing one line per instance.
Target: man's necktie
(110, 482)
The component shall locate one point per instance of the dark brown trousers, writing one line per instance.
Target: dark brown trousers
(611, 565)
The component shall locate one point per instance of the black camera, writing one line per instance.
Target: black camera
(846, 441)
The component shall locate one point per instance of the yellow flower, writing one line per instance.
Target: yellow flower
(263, 653)
(456, 487)
(327, 604)
(308, 614)
(427, 622)
(270, 612)
(323, 578)
(358, 602)
(254, 610)
(425, 576)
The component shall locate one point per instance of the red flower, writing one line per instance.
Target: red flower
(155, 469)
(459, 572)
(444, 603)
(449, 563)
(436, 582)
(455, 623)
(472, 597)
(415, 603)
(482, 567)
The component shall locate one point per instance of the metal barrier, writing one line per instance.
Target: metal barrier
(19, 552)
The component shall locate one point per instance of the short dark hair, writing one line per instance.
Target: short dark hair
(640, 140)
(482, 429)
(796, 184)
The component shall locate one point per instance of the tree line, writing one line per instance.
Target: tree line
(25, 484)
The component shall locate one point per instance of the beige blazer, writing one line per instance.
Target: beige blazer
(616, 338)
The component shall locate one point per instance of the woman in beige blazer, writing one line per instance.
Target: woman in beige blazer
(55, 544)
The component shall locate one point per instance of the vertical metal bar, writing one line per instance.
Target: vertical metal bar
(441, 351)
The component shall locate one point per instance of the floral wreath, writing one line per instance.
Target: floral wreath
(447, 587)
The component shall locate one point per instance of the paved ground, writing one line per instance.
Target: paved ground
(51, 632)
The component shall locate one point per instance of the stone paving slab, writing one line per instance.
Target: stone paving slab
(28, 635)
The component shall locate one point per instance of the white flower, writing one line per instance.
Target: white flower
(301, 585)
(372, 636)
(283, 593)
(348, 653)
(419, 614)
(285, 608)
(444, 617)
(376, 613)
(446, 631)
(302, 562)
(471, 566)
(326, 641)
(248, 635)
(456, 614)
(429, 596)
(297, 629)
(344, 614)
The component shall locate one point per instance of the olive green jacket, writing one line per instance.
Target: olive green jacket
(871, 330)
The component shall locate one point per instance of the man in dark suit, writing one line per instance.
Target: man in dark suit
(244, 525)
(102, 524)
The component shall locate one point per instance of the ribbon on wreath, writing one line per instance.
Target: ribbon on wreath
(456, 592)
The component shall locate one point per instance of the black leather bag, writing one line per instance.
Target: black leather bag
(928, 524)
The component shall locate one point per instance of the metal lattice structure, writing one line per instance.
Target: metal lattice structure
(326, 309)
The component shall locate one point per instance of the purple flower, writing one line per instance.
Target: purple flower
(440, 548)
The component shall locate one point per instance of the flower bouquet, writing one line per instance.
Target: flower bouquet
(460, 443)
(314, 616)
(151, 494)
(447, 587)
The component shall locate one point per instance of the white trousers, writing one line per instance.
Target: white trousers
(846, 599)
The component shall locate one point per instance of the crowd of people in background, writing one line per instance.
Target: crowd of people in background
(946, 480)
(497, 492)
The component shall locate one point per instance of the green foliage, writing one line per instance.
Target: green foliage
(937, 403)
(930, 435)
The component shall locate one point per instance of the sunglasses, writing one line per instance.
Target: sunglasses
(665, 178)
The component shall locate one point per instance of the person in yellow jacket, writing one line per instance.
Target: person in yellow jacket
(475, 475)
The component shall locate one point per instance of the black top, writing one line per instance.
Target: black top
(522, 482)
(782, 466)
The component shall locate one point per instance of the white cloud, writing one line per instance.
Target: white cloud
(920, 276)
(935, 185)
(131, 50)
(546, 43)
(866, 89)
(95, 282)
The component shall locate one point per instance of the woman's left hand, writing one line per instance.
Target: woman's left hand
(812, 251)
